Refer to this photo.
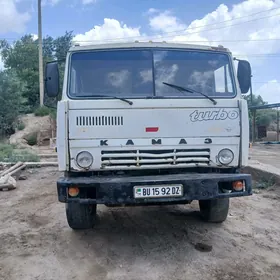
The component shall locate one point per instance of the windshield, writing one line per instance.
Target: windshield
(142, 73)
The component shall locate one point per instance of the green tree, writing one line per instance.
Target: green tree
(61, 47)
(10, 101)
(256, 100)
(264, 117)
(48, 49)
(62, 44)
(22, 58)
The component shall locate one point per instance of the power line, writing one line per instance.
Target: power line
(228, 26)
(187, 29)
(206, 25)
(157, 36)
(196, 27)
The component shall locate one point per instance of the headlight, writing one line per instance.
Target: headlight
(225, 156)
(84, 159)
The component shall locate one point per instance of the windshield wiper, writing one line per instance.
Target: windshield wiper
(191, 91)
(109, 96)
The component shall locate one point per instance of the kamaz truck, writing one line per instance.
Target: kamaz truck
(150, 124)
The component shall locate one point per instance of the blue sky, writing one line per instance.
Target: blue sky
(202, 22)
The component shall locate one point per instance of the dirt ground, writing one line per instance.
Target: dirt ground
(266, 154)
(137, 242)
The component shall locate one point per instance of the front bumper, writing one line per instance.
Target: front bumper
(119, 190)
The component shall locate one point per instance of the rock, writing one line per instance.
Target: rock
(7, 188)
(7, 183)
(202, 247)
(22, 177)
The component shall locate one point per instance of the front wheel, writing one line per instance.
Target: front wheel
(214, 210)
(80, 216)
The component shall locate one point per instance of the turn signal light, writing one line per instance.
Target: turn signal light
(238, 186)
(73, 191)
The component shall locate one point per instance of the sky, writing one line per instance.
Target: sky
(250, 29)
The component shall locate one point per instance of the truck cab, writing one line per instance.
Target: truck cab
(150, 123)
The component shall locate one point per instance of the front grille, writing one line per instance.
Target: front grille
(128, 159)
(99, 121)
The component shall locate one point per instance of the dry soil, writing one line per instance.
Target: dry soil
(137, 242)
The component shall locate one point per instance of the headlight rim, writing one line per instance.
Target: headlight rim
(83, 167)
(226, 149)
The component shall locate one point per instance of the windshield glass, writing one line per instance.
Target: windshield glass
(141, 73)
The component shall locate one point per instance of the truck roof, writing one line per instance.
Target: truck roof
(137, 44)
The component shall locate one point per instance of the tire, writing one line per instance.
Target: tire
(80, 216)
(215, 210)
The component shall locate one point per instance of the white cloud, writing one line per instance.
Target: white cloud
(11, 20)
(34, 37)
(165, 22)
(208, 29)
(270, 92)
(152, 11)
(110, 29)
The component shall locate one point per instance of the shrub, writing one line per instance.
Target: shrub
(9, 153)
(42, 111)
(20, 126)
(31, 139)
(10, 101)
(265, 183)
(53, 114)
(5, 151)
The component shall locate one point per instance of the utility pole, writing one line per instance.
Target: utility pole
(253, 124)
(40, 45)
(278, 124)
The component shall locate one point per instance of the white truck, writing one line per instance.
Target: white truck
(150, 123)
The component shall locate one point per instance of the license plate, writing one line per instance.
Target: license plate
(158, 191)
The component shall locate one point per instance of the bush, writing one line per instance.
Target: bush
(265, 183)
(31, 139)
(53, 114)
(10, 101)
(42, 111)
(9, 153)
(20, 126)
(6, 150)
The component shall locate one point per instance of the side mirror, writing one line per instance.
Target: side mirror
(52, 79)
(244, 75)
